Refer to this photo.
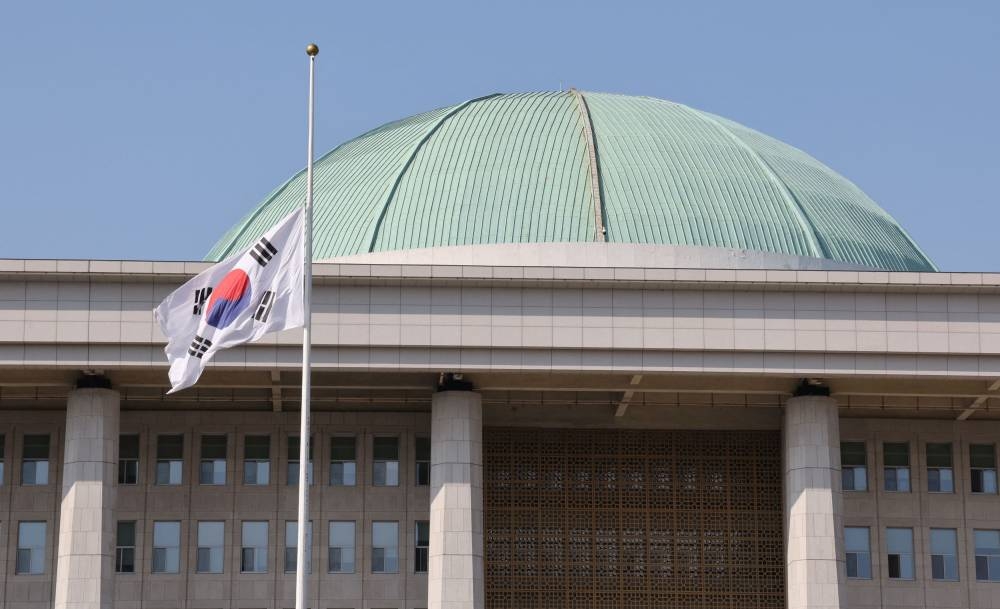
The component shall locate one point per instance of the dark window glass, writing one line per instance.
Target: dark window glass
(213, 447)
(125, 547)
(257, 460)
(940, 476)
(982, 455)
(423, 454)
(939, 455)
(128, 459)
(422, 542)
(258, 447)
(343, 465)
(386, 449)
(170, 447)
(897, 454)
(852, 453)
(35, 460)
(36, 446)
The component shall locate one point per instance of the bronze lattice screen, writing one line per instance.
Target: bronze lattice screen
(602, 519)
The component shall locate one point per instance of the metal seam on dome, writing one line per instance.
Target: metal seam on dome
(409, 161)
(811, 234)
(277, 192)
(600, 230)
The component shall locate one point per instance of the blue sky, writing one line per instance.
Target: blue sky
(143, 130)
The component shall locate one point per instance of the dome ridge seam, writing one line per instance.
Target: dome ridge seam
(809, 229)
(593, 162)
(409, 162)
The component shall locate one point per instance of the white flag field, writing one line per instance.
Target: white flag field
(237, 301)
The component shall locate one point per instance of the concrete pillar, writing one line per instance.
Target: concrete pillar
(814, 525)
(455, 570)
(85, 561)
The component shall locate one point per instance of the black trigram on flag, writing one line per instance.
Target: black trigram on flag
(199, 346)
(263, 251)
(264, 309)
(200, 298)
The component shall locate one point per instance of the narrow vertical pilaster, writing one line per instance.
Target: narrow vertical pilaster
(85, 559)
(455, 570)
(813, 504)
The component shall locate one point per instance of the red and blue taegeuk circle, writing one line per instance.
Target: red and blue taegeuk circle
(228, 299)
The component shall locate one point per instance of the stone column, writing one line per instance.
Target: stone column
(814, 525)
(455, 569)
(85, 563)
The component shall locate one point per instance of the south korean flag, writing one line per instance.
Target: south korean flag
(237, 301)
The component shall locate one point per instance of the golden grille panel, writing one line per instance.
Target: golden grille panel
(596, 519)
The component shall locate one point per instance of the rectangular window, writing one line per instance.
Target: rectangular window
(169, 459)
(293, 461)
(211, 546)
(385, 547)
(385, 467)
(35, 460)
(213, 460)
(30, 548)
(292, 545)
(421, 544)
(987, 556)
(896, 456)
(128, 459)
(125, 547)
(343, 461)
(257, 460)
(166, 547)
(253, 555)
(853, 466)
(983, 463)
(423, 458)
(899, 545)
(341, 550)
(1, 458)
(944, 554)
(858, 550)
(940, 476)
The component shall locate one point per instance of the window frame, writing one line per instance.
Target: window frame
(389, 467)
(993, 553)
(901, 563)
(344, 465)
(422, 466)
(385, 555)
(854, 468)
(944, 557)
(221, 548)
(934, 471)
(867, 553)
(213, 461)
(421, 552)
(256, 461)
(129, 464)
(121, 549)
(36, 464)
(33, 550)
(256, 549)
(353, 547)
(166, 548)
(169, 463)
(896, 470)
(982, 471)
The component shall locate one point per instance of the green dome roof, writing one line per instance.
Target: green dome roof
(573, 167)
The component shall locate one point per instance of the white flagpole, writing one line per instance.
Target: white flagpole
(300, 555)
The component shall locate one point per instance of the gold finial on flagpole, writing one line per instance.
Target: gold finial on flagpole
(312, 50)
